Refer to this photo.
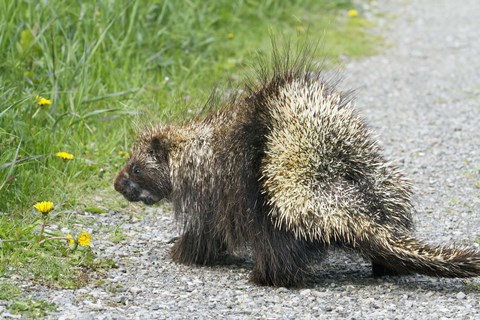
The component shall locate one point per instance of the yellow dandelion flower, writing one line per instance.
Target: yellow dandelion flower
(124, 154)
(70, 239)
(230, 35)
(84, 239)
(43, 101)
(64, 155)
(352, 13)
(44, 206)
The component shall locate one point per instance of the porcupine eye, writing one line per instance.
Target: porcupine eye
(136, 170)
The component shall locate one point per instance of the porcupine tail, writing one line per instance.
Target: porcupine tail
(407, 255)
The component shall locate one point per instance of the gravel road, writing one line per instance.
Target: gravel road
(422, 97)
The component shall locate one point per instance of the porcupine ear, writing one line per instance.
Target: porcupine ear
(160, 149)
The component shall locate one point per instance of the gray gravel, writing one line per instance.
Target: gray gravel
(422, 97)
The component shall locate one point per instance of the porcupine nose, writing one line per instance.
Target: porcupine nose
(119, 182)
(129, 189)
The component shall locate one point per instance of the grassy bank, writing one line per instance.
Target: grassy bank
(76, 76)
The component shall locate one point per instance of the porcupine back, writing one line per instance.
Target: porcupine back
(325, 180)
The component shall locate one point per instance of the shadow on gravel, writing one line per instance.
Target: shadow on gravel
(341, 269)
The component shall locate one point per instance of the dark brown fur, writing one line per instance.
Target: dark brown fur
(229, 184)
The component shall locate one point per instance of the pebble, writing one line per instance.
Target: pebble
(305, 292)
(8, 315)
(135, 290)
(461, 295)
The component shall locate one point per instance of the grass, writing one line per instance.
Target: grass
(106, 65)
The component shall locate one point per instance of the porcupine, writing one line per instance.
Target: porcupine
(287, 168)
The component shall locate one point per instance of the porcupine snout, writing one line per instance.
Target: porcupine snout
(128, 188)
